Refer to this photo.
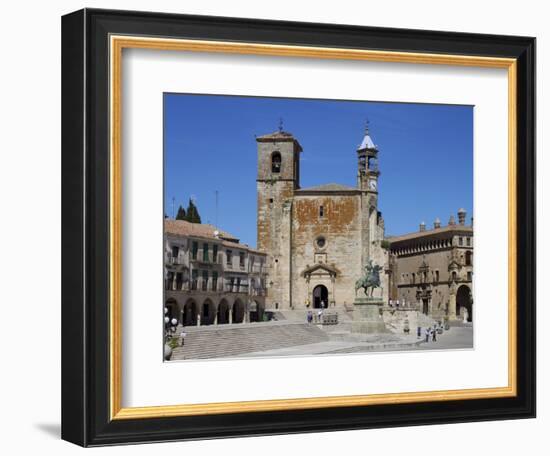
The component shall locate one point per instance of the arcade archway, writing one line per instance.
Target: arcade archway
(223, 312)
(189, 315)
(464, 302)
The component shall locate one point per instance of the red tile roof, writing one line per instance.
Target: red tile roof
(205, 230)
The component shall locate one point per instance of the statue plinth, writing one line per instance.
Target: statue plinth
(367, 318)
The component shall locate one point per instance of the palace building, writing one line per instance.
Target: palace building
(434, 269)
(317, 239)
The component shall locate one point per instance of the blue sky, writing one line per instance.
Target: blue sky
(425, 155)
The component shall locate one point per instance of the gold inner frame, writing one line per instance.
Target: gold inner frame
(117, 44)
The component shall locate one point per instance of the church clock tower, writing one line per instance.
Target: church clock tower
(367, 166)
(367, 182)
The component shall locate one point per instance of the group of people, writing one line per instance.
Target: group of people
(310, 316)
(431, 332)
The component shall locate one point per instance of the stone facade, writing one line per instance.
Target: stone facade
(317, 239)
(433, 269)
(210, 277)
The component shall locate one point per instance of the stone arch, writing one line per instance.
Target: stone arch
(223, 312)
(464, 302)
(189, 313)
(256, 311)
(171, 305)
(320, 297)
(208, 312)
(237, 311)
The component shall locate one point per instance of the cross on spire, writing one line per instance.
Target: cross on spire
(280, 124)
(367, 122)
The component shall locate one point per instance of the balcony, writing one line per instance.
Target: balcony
(258, 292)
(236, 288)
(173, 260)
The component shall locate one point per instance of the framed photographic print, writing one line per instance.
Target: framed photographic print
(277, 227)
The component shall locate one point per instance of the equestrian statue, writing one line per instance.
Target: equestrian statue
(371, 279)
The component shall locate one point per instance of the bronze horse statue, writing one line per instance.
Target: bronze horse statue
(370, 280)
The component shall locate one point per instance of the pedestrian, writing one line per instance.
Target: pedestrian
(183, 334)
(427, 334)
(434, 334)
(419, 332)
(320, 315)
(309, 316)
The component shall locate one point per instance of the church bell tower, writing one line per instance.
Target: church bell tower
(278, 177)
(367, 182)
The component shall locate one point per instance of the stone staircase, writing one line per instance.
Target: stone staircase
(300, 315)
(231, 340)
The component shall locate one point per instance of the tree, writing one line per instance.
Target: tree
(193, 213)
(181, 214)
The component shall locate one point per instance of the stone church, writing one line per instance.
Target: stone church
(318, 239)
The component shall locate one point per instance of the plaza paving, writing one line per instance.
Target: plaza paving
(302, 339)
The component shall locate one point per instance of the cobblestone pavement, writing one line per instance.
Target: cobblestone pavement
(454, 338)
(457, 337)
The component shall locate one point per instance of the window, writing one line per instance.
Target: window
(215, 253)
(454, 276)
(321, 242)
(205, 252)
(270, 200)
(175, 251)
(321, 211)
(468, 258)
(238, 284)
(169, 280)
(228, 257)
(204, 280)
(241, 259)
(413, 277)
(275, 162)
(468, 241)
(195, 250)
(194, 279)
(437, 276)
(231, 283)
(469, 274)
(215, 280)
(460, 241)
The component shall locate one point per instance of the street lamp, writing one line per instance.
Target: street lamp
(170, 328)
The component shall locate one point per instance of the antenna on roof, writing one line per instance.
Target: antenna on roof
(173, 202)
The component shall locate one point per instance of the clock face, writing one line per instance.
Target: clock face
(372, 185)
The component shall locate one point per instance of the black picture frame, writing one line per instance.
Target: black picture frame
(85, 228)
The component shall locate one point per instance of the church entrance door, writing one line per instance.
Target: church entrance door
(320, 297)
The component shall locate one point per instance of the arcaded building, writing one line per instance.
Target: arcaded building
(433, 268)
(317, 239)
(210, 277)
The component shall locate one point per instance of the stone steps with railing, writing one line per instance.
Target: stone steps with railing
(231, 340)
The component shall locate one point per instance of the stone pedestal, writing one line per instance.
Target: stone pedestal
(367, 318)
